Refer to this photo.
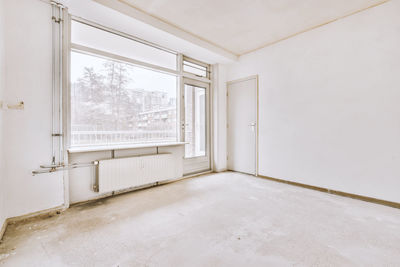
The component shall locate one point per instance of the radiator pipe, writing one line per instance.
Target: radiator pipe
(62, 167)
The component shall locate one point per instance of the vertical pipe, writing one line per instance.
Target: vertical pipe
(53, 56)
(57, 83)
(60, 71)
(65, 100)
(60, 64)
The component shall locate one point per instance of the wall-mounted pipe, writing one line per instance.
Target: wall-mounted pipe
(60, 21)
(63, 167)
(18, 106)
(57, 79)
(57, 142)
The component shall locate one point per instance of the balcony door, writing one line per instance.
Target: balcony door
(195, 126)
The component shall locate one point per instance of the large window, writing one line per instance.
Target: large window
(114, 101)
(125, 90)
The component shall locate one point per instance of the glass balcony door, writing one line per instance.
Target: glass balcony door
(195, 126)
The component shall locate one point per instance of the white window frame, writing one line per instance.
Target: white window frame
(103, 54)
(179, 73)
(194, 76)
(198, 163)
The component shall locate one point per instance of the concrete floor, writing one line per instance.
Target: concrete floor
(225, 219)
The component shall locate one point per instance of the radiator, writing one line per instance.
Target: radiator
(122, 173)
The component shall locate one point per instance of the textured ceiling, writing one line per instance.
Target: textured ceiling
(240, 26)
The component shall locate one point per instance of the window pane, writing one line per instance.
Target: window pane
(195, 121)
(114, 102)
(193, 68)
(92, 37)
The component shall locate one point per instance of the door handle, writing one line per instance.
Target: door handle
(253, 126)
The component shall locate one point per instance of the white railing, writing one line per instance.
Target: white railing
(91, 137)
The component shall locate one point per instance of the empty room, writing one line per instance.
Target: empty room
(199, 133)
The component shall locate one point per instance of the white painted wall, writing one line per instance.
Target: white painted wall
(219, 123)
(328, 108)
(329, 104)
(3, 214)
(27, 133)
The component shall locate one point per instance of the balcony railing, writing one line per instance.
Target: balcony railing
(90, 137)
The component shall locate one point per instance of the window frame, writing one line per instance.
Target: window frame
(198, 164)
(206, 87)
(178, 72)
(121, 34)
(196, 62)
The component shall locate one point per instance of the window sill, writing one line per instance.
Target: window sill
(83, 149)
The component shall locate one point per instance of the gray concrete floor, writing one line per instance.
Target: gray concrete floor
(225, 219)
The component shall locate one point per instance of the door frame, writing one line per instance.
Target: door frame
(209, 153)
(257, 114)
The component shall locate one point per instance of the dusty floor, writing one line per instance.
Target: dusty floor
(223, 219)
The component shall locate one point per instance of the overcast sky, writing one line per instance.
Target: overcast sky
(140, 77)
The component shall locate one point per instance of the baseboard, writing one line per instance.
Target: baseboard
(195, 175)
(3, 229)
(38, 214)
(335, 192)
(30, 216)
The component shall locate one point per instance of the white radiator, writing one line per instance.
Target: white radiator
(123, 173)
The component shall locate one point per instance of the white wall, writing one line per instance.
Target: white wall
(3, 214)
(27, 133)
(329, 104)
(219, 123)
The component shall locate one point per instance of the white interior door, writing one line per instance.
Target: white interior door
(242, 125)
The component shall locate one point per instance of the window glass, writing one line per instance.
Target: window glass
(193, 68)
(114, 102)
(92, 37)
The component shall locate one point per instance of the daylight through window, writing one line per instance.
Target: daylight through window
(115, 102)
